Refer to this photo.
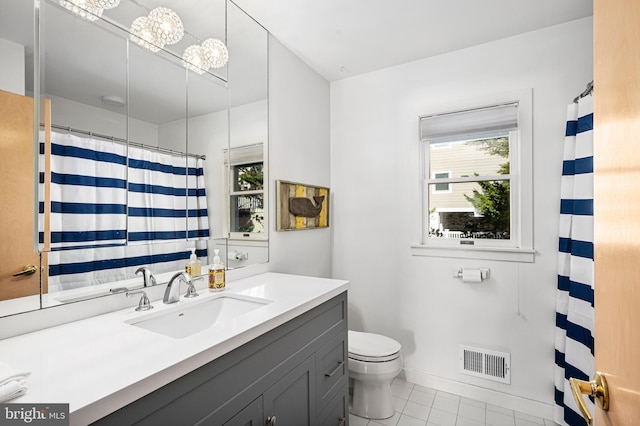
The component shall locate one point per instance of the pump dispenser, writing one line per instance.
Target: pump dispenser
(193, 266)
(216, 273)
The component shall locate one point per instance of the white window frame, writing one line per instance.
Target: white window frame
(519, 247)
(242, 156)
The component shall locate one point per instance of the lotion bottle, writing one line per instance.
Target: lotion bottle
(193, 266)
(216, 273)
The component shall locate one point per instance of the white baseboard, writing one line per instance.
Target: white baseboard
(511, 402)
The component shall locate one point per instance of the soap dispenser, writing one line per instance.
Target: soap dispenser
(193, 266)
(216, 273)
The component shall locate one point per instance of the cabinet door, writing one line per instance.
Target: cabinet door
(337, 411)
(251, 415)
(291, 401)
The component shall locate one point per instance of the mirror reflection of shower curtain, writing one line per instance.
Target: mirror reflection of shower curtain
(166, 193)
(155, 223)
(574, 341)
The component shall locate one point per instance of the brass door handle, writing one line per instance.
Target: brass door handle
(597, 388)
(28, 270)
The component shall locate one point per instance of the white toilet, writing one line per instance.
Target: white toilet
(374, 361)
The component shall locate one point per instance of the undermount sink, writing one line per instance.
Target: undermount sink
(196, 316)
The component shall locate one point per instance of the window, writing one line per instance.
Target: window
(247, 193)
(441, 187)
(476, 194)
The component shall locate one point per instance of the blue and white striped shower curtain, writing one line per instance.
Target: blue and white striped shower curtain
(574, 341)
(103, 197)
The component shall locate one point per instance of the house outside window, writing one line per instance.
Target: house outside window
(441, 187)
(476, 194)
(247, 198)
(247, 213)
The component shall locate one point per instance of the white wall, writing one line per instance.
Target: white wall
(68, 113)
(376, 210)
(209, 135)
(12, 69)
(298, 152)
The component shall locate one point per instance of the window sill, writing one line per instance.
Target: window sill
(484, 253)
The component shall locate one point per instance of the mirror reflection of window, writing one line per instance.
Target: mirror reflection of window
(246, 192)
(248, 198)
(128, 93)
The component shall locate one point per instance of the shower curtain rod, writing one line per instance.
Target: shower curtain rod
(124, 141)
(587, 92)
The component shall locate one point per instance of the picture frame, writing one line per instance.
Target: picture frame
(300, 206)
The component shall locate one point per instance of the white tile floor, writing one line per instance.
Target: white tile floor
(419, 406)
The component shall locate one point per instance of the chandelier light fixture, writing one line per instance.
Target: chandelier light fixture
(106, 4)
(216, 52)
(212, 53)
(160, 27)
(195, 59)
(166, 25)
(89, 9)
(142, 34)
(85, 9)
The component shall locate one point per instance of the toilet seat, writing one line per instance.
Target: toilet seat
(370, 347)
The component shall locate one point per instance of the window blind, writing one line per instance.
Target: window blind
(244, 154)
(469, 124)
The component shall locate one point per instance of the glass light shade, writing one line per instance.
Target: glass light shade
(86, 9)
(216, 52)
(166, 25)
(106, 4)
(194, 59)
(142, 34)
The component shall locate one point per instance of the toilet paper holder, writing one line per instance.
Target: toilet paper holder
(484, 272)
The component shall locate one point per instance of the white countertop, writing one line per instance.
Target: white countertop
(101, 364)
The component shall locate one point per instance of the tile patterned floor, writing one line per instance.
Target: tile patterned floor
(420, 406)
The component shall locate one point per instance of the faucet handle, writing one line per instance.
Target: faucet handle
(191, 291)
(147, 276)
(144, 304)
(191, 288)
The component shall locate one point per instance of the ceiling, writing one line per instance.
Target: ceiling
(337, 38)
(85, 60)
(340, 39)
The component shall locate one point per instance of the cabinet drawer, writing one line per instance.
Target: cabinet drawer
(331, 368)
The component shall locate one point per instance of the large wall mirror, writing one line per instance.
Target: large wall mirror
(123, 149)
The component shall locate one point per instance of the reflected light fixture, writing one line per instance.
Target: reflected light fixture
(216, 51)
(142, 34)
(89, 9)
(212, 53)
(113, 100)
(166, 25)
(86, 9)
(106, 4)
(195, 59)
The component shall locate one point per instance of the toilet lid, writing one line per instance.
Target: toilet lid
(370, 345)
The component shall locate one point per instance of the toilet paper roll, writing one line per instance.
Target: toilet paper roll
(471, 276)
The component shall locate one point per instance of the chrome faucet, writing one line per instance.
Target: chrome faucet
(149, 279)
(172, 293)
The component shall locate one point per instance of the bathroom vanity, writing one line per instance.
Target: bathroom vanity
(284, 362)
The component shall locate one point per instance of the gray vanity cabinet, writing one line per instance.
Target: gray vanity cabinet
(252, 415)
(293, 375)
(290, 401)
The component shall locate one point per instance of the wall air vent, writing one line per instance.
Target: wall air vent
(485, 363)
